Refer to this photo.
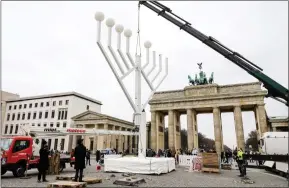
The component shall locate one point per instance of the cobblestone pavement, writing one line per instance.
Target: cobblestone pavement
(178, 178)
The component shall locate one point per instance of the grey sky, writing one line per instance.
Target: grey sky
(50, 47)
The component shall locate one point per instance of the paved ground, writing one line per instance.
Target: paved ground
(178, 178)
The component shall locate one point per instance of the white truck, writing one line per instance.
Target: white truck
(274, 147)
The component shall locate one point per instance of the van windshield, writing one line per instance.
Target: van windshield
(5, 143)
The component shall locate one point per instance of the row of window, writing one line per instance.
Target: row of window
(62, 142)
(62, 114)
(36, 105)
(64, 124)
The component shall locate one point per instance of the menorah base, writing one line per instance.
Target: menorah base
(136, 165)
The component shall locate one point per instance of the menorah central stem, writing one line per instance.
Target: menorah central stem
(140, 116)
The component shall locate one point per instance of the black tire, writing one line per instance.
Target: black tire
(3, 171)
(19, 171)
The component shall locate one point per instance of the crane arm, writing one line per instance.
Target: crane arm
(275, 90)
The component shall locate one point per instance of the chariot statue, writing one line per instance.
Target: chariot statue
(201, 79)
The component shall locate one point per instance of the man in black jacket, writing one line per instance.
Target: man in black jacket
(43, 162)
(79, 154)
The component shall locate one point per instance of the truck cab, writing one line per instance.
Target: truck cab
(17, 154)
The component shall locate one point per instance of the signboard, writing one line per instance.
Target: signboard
(75, 130)
(51, 130)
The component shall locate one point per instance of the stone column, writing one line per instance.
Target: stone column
(175, 130)
(195, 126)
(171, 130)
(153, 131)
(113, 139)
(239, 127)
(262, 118)
(217, 130)
(221, 126)
(95, 141)
(130, 144)
(74, 140)
(158, 124)
(120, 143)
(125, 142)
(190, 129)
(106, 139)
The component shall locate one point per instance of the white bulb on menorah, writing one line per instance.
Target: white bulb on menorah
(138, 107)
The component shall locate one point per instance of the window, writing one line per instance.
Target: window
(87, 107)
(62, 144)
(54, 103)
(62, 114)
(25, 105)
(8, 117)
(34, 115)
(23, 116)
(15, 107)
(60, 103)
(58, 124)
(52, 114)
(47, 103)
(36, 104)
(64, 124)
(13, 117)
(20, 106)
(45, 125)
(40, 115)
(33, 124)
(6, 129)
(30, 105)
(49, 143)
(65, 114)
(16, 129)
(39, 125)
(10, 107)
(29, 114)
(55, 144)
(20, 145)
(41, 104)
(11, 129)
(59, 114)
(18, 116)
(46, 115)
(51, 124)
(66, 102)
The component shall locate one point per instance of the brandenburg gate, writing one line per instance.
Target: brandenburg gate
(205, 98)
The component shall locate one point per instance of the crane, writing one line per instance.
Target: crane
(275, 90)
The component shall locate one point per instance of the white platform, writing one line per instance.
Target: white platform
(137, 165)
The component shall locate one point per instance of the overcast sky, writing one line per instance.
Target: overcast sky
(50, 47)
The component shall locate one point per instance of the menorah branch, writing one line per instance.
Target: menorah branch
(158, 85)
(160, 68)
(154, 64)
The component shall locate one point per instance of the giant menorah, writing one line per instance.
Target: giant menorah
(139, 109)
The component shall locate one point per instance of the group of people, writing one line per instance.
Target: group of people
(82, 158)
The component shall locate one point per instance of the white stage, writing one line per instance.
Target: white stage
(148, 165)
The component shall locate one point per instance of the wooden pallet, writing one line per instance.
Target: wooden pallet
(90, 180)
(67, 184)
(132, 181)
(66, 178)
(214, 170)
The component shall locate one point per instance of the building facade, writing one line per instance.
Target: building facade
(51, 111)
(5, 96)
(279, 123)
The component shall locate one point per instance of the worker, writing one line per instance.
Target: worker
(87, 157)
(241, 163)
(79, 154)
(43, 162)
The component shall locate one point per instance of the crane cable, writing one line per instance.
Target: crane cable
(138, 44)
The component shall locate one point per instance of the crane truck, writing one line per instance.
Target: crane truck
(21, 152)
(275, 157)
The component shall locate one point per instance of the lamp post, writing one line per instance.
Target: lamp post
(139, 115)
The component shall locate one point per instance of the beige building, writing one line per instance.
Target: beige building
(279, 123)
(211, 98)
(6, 96)
(90, 119)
